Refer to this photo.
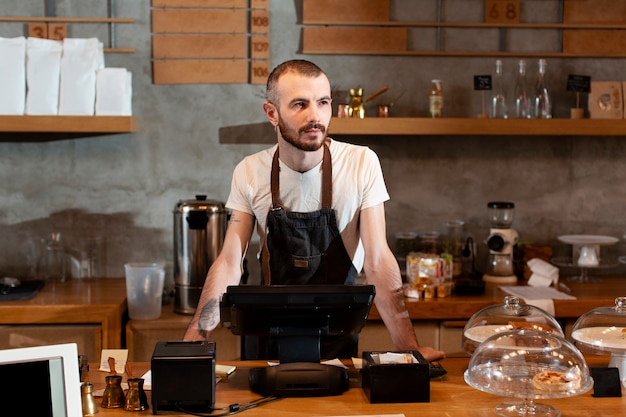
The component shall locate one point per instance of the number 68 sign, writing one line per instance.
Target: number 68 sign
(502, 11)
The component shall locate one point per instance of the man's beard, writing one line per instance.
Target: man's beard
(294, 138)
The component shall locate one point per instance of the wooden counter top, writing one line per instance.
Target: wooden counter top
(101, 301)
(600, 292)
(450, 396)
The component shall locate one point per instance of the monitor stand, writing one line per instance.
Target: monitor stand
(300, 373)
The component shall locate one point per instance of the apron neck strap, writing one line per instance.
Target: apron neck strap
(327, 180)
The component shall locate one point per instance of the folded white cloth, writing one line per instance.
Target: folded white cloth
(544, 274)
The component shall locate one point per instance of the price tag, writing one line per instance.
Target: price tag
(482, 82)
(579, 83)
(259, 71)
(502, 11)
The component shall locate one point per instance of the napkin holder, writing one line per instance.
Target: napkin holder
(395, 382)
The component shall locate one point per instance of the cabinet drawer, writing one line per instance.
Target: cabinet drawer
(88, 337)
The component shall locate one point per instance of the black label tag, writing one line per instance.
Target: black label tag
(579, 83)
(482, 82)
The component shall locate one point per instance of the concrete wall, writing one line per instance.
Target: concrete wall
(123, 188)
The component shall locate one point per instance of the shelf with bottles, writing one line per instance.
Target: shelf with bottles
(263, 132)
(476, 127)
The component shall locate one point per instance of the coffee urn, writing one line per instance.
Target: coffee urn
(199, 230)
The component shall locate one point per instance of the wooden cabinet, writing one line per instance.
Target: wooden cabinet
(89, 312)
(88, 337)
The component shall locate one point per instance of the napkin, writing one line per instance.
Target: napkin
(543, 273)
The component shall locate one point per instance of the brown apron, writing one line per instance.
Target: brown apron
(305, 248)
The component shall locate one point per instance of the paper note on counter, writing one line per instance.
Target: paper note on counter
(535, 293)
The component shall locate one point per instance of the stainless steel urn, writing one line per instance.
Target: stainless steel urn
(199, 230)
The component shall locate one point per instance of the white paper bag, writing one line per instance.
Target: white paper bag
(114, 92)
(80, 60)
(43, 68)
(12, 75)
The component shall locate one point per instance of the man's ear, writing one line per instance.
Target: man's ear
(271, 112)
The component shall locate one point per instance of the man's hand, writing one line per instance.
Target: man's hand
(431, 354)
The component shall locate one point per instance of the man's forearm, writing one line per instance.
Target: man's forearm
(390, 304)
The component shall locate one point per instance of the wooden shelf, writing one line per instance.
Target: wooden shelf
(42, 128)
(410, 126)
(467, 126)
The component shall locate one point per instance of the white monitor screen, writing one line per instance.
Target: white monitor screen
(42, 381)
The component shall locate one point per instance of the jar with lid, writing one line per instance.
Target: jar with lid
(453, 242)
(436, 98)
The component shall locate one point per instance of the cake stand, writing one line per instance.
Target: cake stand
(528, 365)
(585, 254)
(603, 330)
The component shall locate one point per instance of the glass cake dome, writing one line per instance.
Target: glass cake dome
(511, 315)
(602, 331)
(528, 365)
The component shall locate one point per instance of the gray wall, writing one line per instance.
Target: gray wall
(124, 187)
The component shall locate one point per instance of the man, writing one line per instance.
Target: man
(285, 191)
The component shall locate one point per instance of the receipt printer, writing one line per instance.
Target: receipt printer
(183, 376)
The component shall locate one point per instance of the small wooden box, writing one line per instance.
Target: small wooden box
(395, 382)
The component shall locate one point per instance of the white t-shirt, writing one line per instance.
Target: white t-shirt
(358, 184)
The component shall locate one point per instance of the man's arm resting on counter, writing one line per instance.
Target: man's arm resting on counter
(225, 271)
(382, 270)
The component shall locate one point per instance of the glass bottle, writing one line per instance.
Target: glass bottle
(542, 104)
(52, 263)
(436, 98)
(497, 109)
(521, 104)
(453, 244)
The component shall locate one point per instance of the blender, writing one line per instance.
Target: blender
(501, 242)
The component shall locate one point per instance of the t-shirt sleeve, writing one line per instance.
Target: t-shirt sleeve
(374, 188)
(238, 197)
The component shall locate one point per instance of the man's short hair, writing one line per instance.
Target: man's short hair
(299, 66)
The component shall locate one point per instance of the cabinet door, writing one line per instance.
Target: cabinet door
(88, 337)
(375, 336)
(450, 338)
(141, 340)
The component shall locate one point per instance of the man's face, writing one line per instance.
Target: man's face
(304, 110)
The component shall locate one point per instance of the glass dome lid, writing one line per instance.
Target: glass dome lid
(603, 329)
(529, 365)
(511, 315)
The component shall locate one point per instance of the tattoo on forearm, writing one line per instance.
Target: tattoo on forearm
(209, 316)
